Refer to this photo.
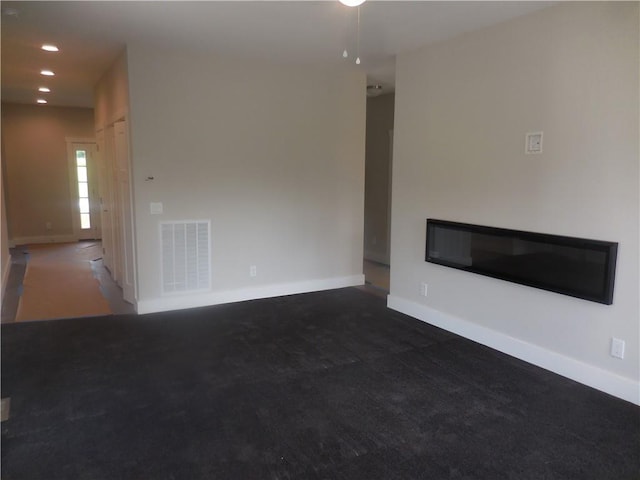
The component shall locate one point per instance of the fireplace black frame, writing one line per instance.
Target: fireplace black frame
(551, 264)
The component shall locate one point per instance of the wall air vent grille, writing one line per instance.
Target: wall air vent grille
(186, 265)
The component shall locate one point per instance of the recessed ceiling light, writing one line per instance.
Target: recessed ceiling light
(352, 3)
(44, 89)
(50, 48)
(47, 73)
(41, 100)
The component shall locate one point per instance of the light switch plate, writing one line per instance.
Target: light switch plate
(533, 142)
(156, 208)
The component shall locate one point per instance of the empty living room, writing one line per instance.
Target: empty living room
(203, 166)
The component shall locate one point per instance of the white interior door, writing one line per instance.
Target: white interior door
(113, 206)
(104, 201)
(125, 210)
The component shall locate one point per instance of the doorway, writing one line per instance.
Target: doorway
(83, 180)
(377, 195)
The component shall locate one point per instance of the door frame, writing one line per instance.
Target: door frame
(124, 194)
(93, 181)
(106, 221)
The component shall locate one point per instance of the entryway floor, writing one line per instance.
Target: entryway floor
(49, 281)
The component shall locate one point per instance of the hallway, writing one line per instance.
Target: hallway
(60, 281)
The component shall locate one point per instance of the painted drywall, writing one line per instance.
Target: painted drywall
(463, 108)
(37, 169)
(272, 155)
(111, 106)
(111, 95)
(377, 222)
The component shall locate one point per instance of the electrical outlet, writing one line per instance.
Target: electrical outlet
(253, 271)
(424, 288)
(617, 348)
(48, 226)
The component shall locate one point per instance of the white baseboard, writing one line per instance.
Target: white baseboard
(179, 302)
(595, 377)
(43, 239)
(6, 268)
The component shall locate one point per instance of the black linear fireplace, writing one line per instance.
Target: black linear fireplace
(572, 266)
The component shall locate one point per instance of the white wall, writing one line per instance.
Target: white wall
(111, 95)
(273, 155)
(462, 110)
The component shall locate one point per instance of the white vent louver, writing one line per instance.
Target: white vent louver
(185, 256)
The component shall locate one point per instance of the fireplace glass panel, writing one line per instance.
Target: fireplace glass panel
(572, 266)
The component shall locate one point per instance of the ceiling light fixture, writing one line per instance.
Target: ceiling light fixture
(374, 90)
(47, 73)
(358, 40)
(50, 48)
(345, 54)
(352, 3)
(41, 100)
(44, 89)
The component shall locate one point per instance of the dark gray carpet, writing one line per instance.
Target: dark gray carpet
(328, 385)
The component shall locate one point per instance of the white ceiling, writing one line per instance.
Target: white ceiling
(91, 34)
